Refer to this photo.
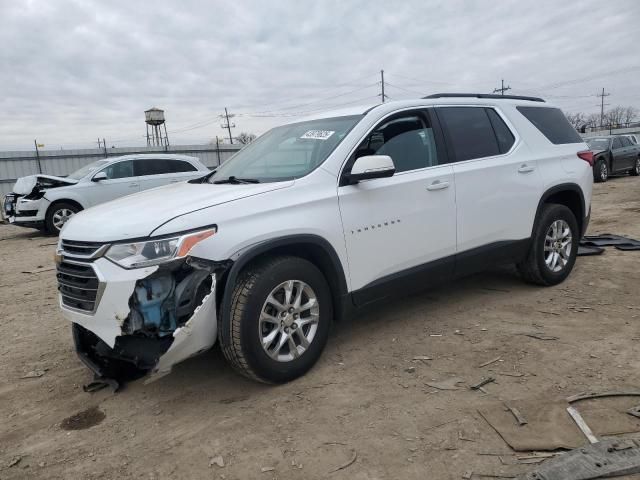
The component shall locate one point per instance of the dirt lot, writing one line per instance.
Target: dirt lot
(363, 400)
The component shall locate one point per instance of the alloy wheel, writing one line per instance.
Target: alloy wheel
(60, 217)
(289, 320)
(604, 172)
(638, 166)
(558, 245)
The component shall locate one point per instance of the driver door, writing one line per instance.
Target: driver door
(120, 182)
(400, 231)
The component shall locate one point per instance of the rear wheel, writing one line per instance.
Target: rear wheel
(58, 214)
(635, 171)
(281, 310)
(600, 171)
(554, 247)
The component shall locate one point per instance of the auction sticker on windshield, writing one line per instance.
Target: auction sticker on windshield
(318, 134)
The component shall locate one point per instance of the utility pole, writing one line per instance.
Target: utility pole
(502, 89)
(35, 142)
(228, 125)
(602, 104)
(382, 95)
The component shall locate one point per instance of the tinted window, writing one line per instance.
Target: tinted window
(152, 166)
(616, 143)
(503, 134)
(180, 166)
(625, 142)
(552, 124)
(119, 170)
(469, 132)
(408, 140)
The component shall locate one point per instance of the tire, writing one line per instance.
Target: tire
(635, 171)
(57, 215)
(600, 171)
(534, 269)
(248, 305)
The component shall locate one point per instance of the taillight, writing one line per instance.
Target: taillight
(587, 156)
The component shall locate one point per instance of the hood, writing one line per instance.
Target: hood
(25, 185)
(140, 214)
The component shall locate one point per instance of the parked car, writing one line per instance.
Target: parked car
(319, 218)
(614, 154)
(47, 202)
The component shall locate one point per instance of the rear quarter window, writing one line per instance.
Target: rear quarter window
(552, 123)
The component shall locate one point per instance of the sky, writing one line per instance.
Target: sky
(72, 71)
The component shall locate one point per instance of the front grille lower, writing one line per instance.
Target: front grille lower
(27, 213)
(78, 285)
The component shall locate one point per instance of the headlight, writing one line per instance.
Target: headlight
(154, 252)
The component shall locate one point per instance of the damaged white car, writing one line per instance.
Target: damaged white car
(46, 202)
(317, 218)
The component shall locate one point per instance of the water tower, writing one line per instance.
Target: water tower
(154, 118)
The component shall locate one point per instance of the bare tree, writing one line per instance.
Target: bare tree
(245, 138)
(592, 120)
(577, 120)
(615, 116)
(630, 114)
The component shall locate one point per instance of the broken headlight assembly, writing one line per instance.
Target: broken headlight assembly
(155, 252)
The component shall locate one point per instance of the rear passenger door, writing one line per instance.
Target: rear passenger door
(155, 172)
(497, 182)
(628, 158)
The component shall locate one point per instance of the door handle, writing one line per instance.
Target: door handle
(526, 169)
(134, 185)
(175, 181)
(438, 185)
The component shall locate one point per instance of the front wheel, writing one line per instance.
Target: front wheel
(280, 314)
(635, 171)
(554, 247)
(57, 215)
(600, 171)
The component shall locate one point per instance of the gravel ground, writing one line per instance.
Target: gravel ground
(366, 406)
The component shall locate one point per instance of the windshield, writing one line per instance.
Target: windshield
(87, 169)
(287, 152)
(598, 143)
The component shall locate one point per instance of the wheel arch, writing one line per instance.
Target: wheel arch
(65, 200)
(569, 195)
(313, 248)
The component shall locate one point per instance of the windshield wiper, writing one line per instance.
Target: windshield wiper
(236, 180)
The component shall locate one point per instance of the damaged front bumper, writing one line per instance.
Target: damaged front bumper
(131, 323)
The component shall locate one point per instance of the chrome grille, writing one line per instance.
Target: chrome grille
(84, 250)
(78, 285)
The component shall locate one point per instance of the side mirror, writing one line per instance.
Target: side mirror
(371, 166)
(99, 176)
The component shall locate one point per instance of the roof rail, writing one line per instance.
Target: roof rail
(484, 95)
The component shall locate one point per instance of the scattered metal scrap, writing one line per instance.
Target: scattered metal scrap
(582, 425)
(354, 457)
(607, 458)
(610, 240)
(634, 411)
(516, 413)
(588, 395)
(482, 383)
(497, 359)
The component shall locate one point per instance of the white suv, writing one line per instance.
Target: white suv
(47, 202)
(318, 218)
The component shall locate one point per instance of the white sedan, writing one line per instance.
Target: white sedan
(47, 202)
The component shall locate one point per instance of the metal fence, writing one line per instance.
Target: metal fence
(14, 165)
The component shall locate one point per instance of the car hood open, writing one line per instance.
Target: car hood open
(138, 215)
(24, 185)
